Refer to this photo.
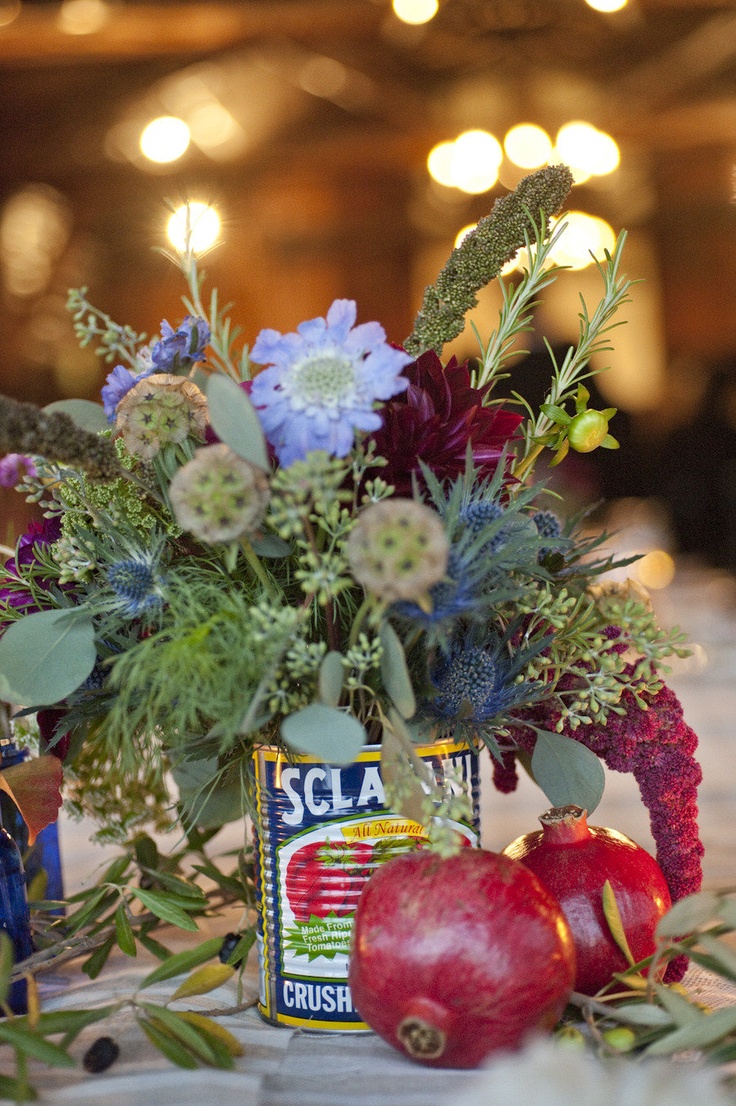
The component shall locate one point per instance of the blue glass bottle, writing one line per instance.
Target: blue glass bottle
(14, 916)
(45, 853)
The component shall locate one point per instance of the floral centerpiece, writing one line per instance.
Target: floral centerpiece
(330, 539)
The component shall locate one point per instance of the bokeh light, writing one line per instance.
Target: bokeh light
(584, 238)
(195, 224)
(476, 157)
(527, 145)
(415, 11)
(583, 147)
(165, 139)
(607, 5)
(82, 17)
(656, 569)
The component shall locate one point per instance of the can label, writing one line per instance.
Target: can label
(321, 832)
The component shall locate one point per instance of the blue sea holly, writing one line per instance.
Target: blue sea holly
(475, 682)
(136, 584)
(323, 382)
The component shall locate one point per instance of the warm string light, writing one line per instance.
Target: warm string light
(165, 139)
(472, 161)
(195, 226)
(415, 12)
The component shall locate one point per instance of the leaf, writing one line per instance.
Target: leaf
(161, 905)
(71, 1022)
(331, 678)
(16, 1090)
(46, 656)
(332, 735)
(34, 785)
(706, 1031)
(269, 545)
(235, 420)
(399, 775)
(33, 1044)
(203, 980)
(208, 807)
(96, 962)
(214, 1029)
(641, 1013)
(723, 954)
(172, 1049)
(567, 771)
(394, 672)
(181, 962)
(124, 931)
(173, 1025)
(689, 914)
(615, 923)
(7, 959)
(86, 414)
(680, 1010)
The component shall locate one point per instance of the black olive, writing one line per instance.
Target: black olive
(101, 1054)
(229, 943)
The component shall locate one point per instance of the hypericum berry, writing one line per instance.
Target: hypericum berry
(100, 1055)
(587, 431)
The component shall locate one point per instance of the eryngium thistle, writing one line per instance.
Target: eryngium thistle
(218, 496)
(483, 253)
(160, 410)
(398, 549)
(55, 436)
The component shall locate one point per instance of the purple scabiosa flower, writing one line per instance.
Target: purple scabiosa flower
(13, 467)
(120, 381)
(180, 349)
(654, 743)
(323, 382)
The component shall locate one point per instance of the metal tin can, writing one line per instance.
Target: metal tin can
(320, 832)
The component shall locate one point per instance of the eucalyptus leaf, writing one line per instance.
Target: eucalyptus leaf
(46, 656)
(688, 914)
(331, 678)
(86, 414)
(408, 794)
(270, 545)
(567, 772)
(318, 730)
(395, 673)
(235, 420)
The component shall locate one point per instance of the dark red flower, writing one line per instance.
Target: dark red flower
(433, 421)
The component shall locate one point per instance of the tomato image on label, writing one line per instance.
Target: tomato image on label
(326, 878)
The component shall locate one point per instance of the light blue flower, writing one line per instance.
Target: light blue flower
(323, 382)
(119, 382)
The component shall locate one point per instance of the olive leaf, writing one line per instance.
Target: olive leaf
(708, 1029)
(688, 914)
(182, 962)
(124, 931)
(204, 979)
(615, 922)
(165, 908)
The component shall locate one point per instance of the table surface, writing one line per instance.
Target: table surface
(285, 1067)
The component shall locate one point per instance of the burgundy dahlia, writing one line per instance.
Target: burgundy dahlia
(433, 421)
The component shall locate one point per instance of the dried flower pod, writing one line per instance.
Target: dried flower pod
(218, 496)
(160, 410)
(398, 549)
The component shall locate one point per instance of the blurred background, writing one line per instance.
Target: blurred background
(338, 148)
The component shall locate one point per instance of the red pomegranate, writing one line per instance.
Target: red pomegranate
(456, 957)
(574, 861)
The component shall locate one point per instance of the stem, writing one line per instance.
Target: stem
(255, 564)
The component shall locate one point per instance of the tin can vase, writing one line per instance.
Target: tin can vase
(319, 833)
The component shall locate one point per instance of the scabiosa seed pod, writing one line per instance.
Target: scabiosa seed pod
(160, 410)
(219, 496)
(398, 549)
